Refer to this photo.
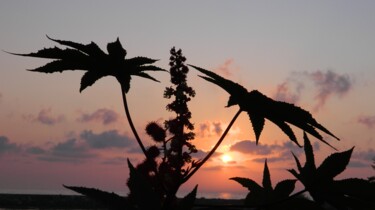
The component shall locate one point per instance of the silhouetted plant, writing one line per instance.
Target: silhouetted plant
(97, 64)
(168, 164)
(320, 183)
(174, 141)
(259, 107)
(264, 196)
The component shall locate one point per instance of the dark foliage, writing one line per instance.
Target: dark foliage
(97, 63)
(265, 196)
(259, 107)
(320, 183)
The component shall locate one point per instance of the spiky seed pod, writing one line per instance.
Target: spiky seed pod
(156, 132)
(153, 152)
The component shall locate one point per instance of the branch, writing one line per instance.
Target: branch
(214, 148)
(131, 122)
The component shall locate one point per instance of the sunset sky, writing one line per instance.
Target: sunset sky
(318, 55)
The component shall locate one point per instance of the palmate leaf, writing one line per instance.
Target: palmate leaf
(107, 199)
(260, 107)
(285, 188)
(265, 195)
(267, 185)
(334, 164)
(97, 63)
(250, 184)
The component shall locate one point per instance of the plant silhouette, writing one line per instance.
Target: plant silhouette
(320, 183)
(176, 161)
(265, 195)
(259, 107)
(168, 164)
(97, 64)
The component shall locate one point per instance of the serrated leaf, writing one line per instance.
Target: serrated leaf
(250, 184)
(299, 166)
(309, 153)
(263, 107)
(257, 122)
(116, 50)
(109, 200)
(92, 59)
(267, 184)
(147, 76)
(334, 164)
(88, 79)
(285, 188)
(287, 130)
(91, 49)
(60, 66)
(187, 202)
(139, 61)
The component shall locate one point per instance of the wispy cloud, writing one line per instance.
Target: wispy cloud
(208, 129)
(104, 116)
(325, 84)
(328, 84)
(6, 146)
(273, 152)
(226, 69)
(106, 139)
(46, 117)
(368, 121)
(289, 91)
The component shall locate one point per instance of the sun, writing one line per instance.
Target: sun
(226, 158)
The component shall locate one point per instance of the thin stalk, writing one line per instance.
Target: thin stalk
(214, 148)
(131, 122)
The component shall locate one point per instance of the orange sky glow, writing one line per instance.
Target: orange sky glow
(318, 56)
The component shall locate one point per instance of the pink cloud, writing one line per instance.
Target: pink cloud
(105, 116)
(208, 129)
(226, 69)
(368, 121)
(328, 84)
(287, 93)
(45, 117)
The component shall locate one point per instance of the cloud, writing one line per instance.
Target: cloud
(45, 117)
(106, 139)
(328, 84)
(325, 84)
(115, 161)
(6, 146)
(289, 91)
(68, 151)
(35, 150)
(226, 68)
(368, 121)
(274, 152)
(208, 129)
(104, 116)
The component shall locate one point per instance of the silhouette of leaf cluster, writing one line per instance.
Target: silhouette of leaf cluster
(265, 194)
(259, 107)
(97, 63)
(154, 182)
(165, 177)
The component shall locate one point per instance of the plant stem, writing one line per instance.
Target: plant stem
(131, 122)
(214, 148)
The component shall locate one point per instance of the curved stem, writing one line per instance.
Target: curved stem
(214, 148)
(131, 122)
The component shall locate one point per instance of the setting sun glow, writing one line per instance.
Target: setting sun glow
(226, 158)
